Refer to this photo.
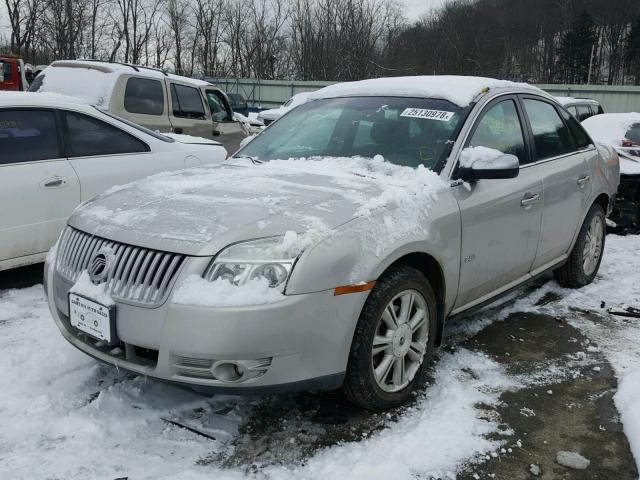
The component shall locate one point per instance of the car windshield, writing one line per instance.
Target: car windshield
(405, 131)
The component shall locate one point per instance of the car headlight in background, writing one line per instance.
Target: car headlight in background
(271, 259)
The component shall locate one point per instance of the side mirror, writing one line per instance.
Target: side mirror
(503, 166)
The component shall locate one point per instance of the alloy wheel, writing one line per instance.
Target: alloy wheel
(593, 245)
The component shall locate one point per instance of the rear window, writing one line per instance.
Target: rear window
(186, 102)
(27, 136)
(144, 96)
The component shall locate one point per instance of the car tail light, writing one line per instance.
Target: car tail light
(629, 143)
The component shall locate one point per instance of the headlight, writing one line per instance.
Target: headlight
(271, 259)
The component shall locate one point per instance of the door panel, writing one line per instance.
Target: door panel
(564, 199)
(499, 233)
(188, 114)
(38, 189)
(500, 218)
(37, 199)
(564, 175)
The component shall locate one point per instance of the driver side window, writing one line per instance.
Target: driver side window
(500, 129)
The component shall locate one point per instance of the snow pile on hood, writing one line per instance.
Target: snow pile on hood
(457, 89)
(486, 156)
(240, 201)
(610, 128)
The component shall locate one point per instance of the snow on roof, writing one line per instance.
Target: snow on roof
(94, 81)
(610, 128)
(39, 99)
(460, 90)
(570, 100)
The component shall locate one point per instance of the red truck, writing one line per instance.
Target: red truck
(12, 73)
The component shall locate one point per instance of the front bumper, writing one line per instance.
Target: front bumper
(299, 343)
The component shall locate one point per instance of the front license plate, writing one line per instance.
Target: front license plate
(93, 318)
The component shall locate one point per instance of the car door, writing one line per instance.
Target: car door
(188, 114)
(566, 183)
(230, 132)
(104, 155)
(38, 187)
(500, 218)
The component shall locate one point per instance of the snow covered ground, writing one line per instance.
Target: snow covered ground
(63, 415)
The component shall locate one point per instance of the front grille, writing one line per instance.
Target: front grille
(140, 276)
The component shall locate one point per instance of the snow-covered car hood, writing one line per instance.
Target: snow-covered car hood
(199, 211)
(610, 129)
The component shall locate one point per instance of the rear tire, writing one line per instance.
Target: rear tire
(584, 260)
(393, 342)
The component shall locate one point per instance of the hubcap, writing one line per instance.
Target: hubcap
(592, 246)
(400, 341)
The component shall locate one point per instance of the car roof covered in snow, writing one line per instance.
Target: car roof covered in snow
(124, 68)
(41, 99)
(459, 90)
(571, 100)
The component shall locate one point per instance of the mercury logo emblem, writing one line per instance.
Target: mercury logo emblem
(99, 265)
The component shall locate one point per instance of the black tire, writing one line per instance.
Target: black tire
(572, 273)
(360, 385)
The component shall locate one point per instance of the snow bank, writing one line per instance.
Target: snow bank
(457, 89)
(195, 290)
(627, 401)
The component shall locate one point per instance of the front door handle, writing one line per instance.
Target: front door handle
(583, 180)
(530, 199)
(54, 182)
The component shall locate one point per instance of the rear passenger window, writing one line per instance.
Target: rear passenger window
(580, 137)
(144, 96)
(186, 102)
(500, 129)
(87, 136)
(27, 136)
(550, 135)
(584, 112)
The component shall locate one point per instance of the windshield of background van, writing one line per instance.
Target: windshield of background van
(405, 131)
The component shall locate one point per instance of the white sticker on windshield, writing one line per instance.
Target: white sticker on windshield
(428, 114)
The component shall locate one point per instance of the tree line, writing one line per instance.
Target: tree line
(541, 41)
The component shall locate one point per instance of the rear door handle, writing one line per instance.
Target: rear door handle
(530, 199)
(583, 180)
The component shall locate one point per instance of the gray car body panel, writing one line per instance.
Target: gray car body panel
(480, 235)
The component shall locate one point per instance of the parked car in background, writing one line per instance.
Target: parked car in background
(269, 116)
(622, 132)
(56, 152)
(146, 96)
(336, 266)
(238, 103)
(581, 108)
(12, 73)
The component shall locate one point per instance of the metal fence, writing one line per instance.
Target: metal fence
(271, 93)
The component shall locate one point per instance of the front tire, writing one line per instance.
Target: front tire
(584, 260)
(393, 341)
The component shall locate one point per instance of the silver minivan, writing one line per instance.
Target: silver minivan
(330, 251)
(147, 96)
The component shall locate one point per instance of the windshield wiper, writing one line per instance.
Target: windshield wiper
(254, 160)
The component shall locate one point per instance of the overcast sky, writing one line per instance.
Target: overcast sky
(413, 10)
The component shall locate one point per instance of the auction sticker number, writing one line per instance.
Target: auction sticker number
(439, 115)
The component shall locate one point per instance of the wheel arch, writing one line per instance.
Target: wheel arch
(430, 268)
